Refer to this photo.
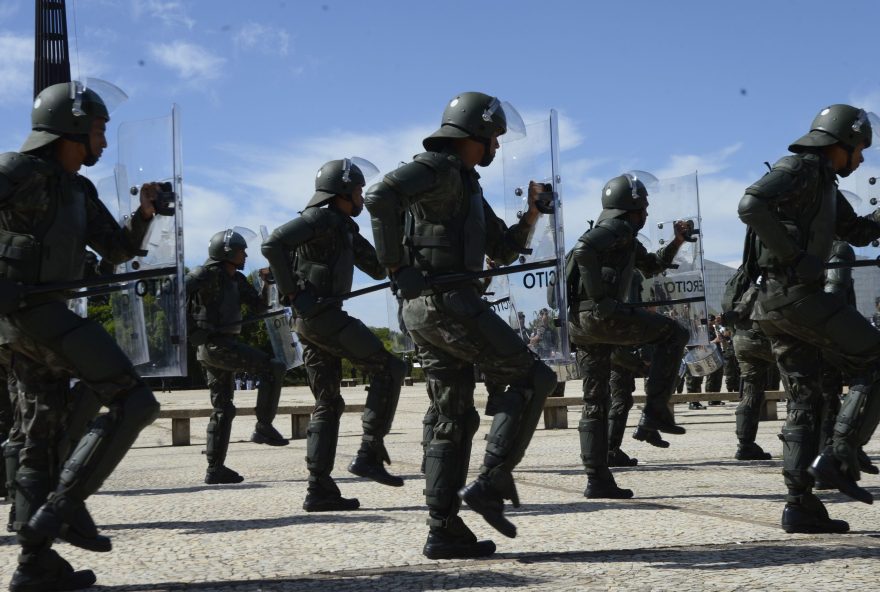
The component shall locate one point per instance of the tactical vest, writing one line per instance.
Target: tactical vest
(326, 261)
(218, 300)
(52, 248)
(446, 230)
(617, 266)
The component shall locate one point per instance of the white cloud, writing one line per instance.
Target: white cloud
(170, 12)
(16, 68)
(192, 62)
(262, 38)
(706, 164)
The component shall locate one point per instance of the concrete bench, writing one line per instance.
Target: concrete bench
(299, 419)
(349, 382)
(556, 408)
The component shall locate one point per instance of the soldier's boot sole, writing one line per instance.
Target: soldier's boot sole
(440, 549)
(651, 437)
(619, 458)
(375, 471)
(796, 519)
(49, 523)
(606, 491)
(258, 438)
(335, 504)
(490, 507)
(826, 469)
(41, 581)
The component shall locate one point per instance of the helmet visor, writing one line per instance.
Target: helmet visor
(368, 169)
(111, 95)
(249, 236)
(516, 128)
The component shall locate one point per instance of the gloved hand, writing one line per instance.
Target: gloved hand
(303, 302)
(605, 307)
(808, 268)
(409, 282)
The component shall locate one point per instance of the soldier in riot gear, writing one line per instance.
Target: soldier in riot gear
(215, 292)
(793, 214)
(449, 228)
(606, 256)
(48, 215)
(313, 259)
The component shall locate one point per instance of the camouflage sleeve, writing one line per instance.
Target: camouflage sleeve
(249, 296)
(114, 243)
(504, 244)
(366, 260)
(854, 229)
(278, 249)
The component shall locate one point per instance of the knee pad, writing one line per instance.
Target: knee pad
(543, 379)
(594, 442)
(96, 357)
(138, 408)
(396, 369)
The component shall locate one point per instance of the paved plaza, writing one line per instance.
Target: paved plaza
(699, 520)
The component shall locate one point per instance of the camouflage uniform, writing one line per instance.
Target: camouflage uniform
(313, 259)
(215, 299)
(755, 357)
(793, 213)
(627, 363)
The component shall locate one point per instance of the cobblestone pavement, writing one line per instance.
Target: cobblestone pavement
(700, 520)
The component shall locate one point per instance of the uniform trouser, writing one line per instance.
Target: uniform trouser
(327, 338)
(832, 389)
(7, 418)
(731, 370)
(622, 384)
(754, 354)
(814, 328)
(454, 330)
(53, 345)
(222, 357)
(631, 326)
(713, 381)
(693, 384)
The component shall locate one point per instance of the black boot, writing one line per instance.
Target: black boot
(694, 405)
(370, 464)
(46, 571)
(601, 485)
(865, 464)
(619, 458)
(805, 513)
(650, 436)
(826, 468)
(324, 496)
(455, 541)
(267, 434)
(64, 518)
(482, 499)
(222, 475)
(751, 451)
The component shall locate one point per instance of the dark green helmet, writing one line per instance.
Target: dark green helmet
(469, 115)
(337, 177)
(64, 110)
(224, 244)
(840, 123)
(623, 194)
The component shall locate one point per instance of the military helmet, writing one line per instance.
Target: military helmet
(469, 115)
(340, 177)
(224, 244)
(622, 194)
(834, 124)
(64, 110)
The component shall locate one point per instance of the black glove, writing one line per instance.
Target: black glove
(409, 282)
(808, 268)
(304, 302)
(604, 307)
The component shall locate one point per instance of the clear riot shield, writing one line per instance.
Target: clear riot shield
(671, 200)
(285, 344)
(151, 314)
(535, 157)
(401, 342)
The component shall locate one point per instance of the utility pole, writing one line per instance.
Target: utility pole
(51, 56)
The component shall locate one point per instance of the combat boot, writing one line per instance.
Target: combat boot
(619, 458)
(826, 468)
(805, 513)
(485, 501)
(222, 475)
(662, 421)
(751, 451)
(62, 517)
(694, 405)
(650, 436)
(46, 571)
(454, 540)
(324, 496)
(370, 464)
(267, 434)
(601, 485)
(865, 463)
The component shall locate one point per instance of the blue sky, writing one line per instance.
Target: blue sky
(269, 90)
